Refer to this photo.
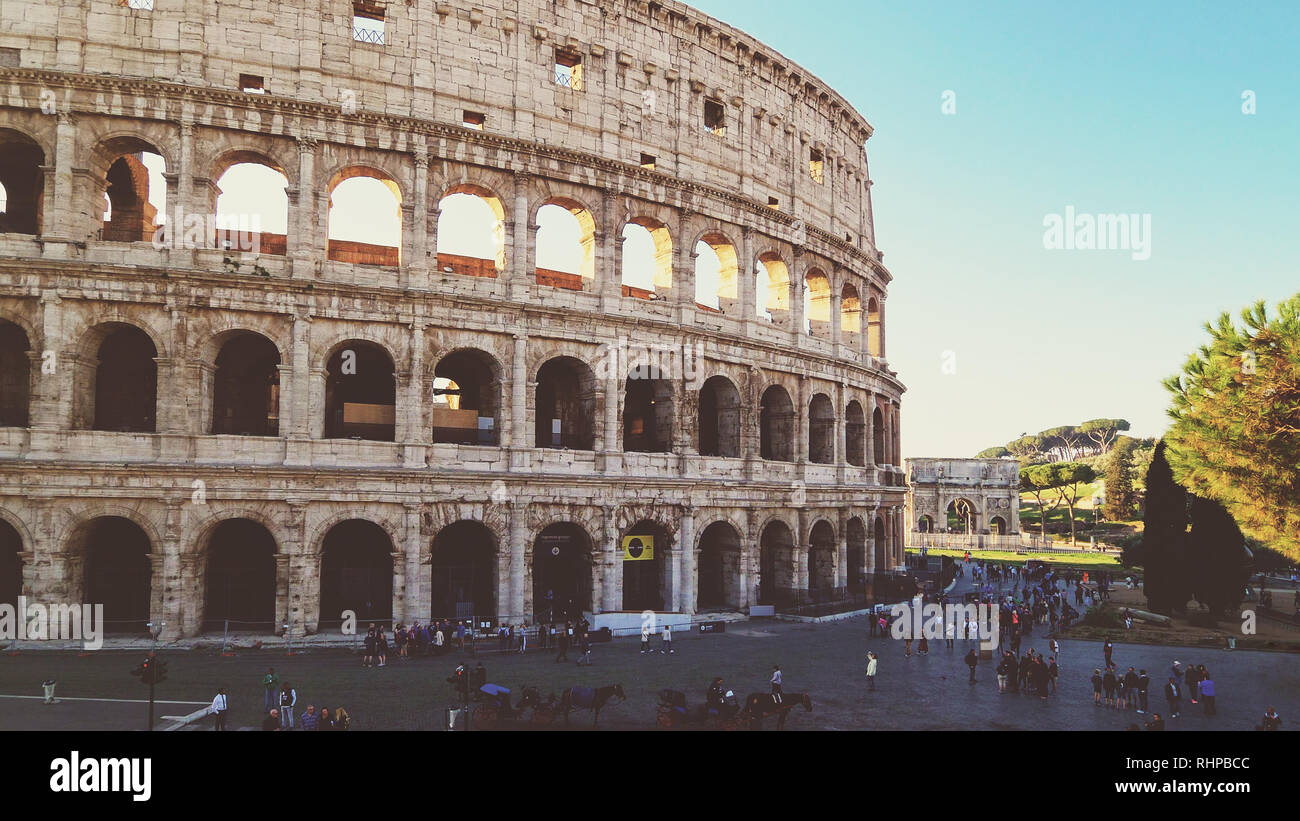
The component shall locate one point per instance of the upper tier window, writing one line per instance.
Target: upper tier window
(367, 22)
(715, 117)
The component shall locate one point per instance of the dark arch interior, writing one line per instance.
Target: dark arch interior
(855, 435)
(719, 418)
(15, 375)
(776, 425)
(464, 572)
(645, 584)
(561, 573)
(11, 564)
(240, 577)
(776, 565)
(856, 540)
(648, 416)
(24, 184)
(472, 398)
(566, 405)
(246, 391)
(718, 572)
(878, 436)
(360, 393)
(126, 382)
(882, 564)
(118, 572)
(821, 557)
(356, 573)
(821, 430)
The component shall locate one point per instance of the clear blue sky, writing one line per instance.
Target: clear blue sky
(1113, 108)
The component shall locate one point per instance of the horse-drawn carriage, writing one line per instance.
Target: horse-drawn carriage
(495, 705)
(673, 712)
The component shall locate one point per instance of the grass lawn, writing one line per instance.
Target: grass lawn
(1083, 561)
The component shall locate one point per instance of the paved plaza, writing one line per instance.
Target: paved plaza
(827, 660)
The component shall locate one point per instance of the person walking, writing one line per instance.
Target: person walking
(1143, 684)
(584, 643)
(1108, 649)
(271, 682)
(1207, 691)
(1174, 695)
(1097, 684)
(871, 671)
(972, 659)
(1053, 673)
(667, 646)
(220, 705)
(776, 683)
(645, 638)
(523, 638)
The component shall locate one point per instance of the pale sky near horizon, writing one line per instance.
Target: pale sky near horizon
(1122, 111)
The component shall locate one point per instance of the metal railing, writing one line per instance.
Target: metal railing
(978, 541)
(368, 35)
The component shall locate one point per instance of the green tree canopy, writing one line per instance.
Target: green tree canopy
(993, 453)
(1164, 532)
(1102, 432)
(1236, 431)
(1120, 496)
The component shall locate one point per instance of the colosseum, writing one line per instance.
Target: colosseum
(659, 383)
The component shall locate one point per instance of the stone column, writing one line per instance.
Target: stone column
(177, 610)
(301, 574)
(612, 446)
(686, 602)
(745, 282)
(842, 550)
(880, 301)
(609, 253)
(517, 440)
(61, 219)
(801, 418)
(522, 266)
(297, 405)
(413, 599)
(413, 433)
(417, 267)
(51, 397)
(612, 583)
(304, 244)
(684, 269)
(518, 547)
(802, 547)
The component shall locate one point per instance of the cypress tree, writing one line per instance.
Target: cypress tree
(1164, 533)
(1218, 559)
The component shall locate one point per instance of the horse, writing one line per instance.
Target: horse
(759, 706)
(575, 697)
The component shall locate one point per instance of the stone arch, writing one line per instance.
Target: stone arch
(817, 303)
(115, 378)
(855, 540)
(548, 225)
(778, 562)
(855, 434)
(119, 174)
(356, 571)
(721, 548)
(111, 561)
(244, 395)
(875, 328)
(660, 264)
(480, 378)
(15, 374)
(562, 556)
(823, 551)
(12, 549)
(721, 417)
(566, 392)
(360, 392)
(962, 515)
(272, 189)
(647, 583)
(776, 424)
(850, 313)
(464, 560)
(772, 287)
(358, 251)
(240, 575)
(452, 253)
(821, 429)
(22, 180)
(725, 294)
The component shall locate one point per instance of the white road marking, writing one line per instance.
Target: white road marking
(114, 700)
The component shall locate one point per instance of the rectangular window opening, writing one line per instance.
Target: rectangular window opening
(367, 22)
(568, 69)
(715, 118)
(648, 161)
(252, 83)
(817, 166)
(773, 203)
(142, 5)
(474, 120)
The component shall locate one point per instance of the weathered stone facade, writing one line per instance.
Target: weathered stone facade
(810, 497)
(985, 494)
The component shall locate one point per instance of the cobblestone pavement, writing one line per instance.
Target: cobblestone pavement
(827, 660)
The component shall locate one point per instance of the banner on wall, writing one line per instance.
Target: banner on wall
(638, 548)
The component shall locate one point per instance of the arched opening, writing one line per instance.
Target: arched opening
(125, 380)
(925, 524)
(855, 538)
(850, 314)
(647, 258)
(647, 415)
(117, 571)
(719, 418)
(11, 564)
(772, 287)
(22, 184)
(998, 526)
(365, 218)
(717, 284)
(776, 425)
(15, 375)
(855, 434)
(135, 189)
(360, 393)
(471, 232)
(822, 558)
(246, 386)
(566, 245)
(821, 430)
(961, 516)
(776, 565)
(240, 577)
(875, 330)
(878, 437)
(356, 573)
(817, 304)
(566, 405)
(561, 573)
(464, 564)
(647, 567)
(252, 208)
(719, 569)
(467, 398)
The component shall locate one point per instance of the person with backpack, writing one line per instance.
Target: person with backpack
(288, 700)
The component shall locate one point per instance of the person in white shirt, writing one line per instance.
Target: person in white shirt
(220, 705)
(668, 640)
(645, 639)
